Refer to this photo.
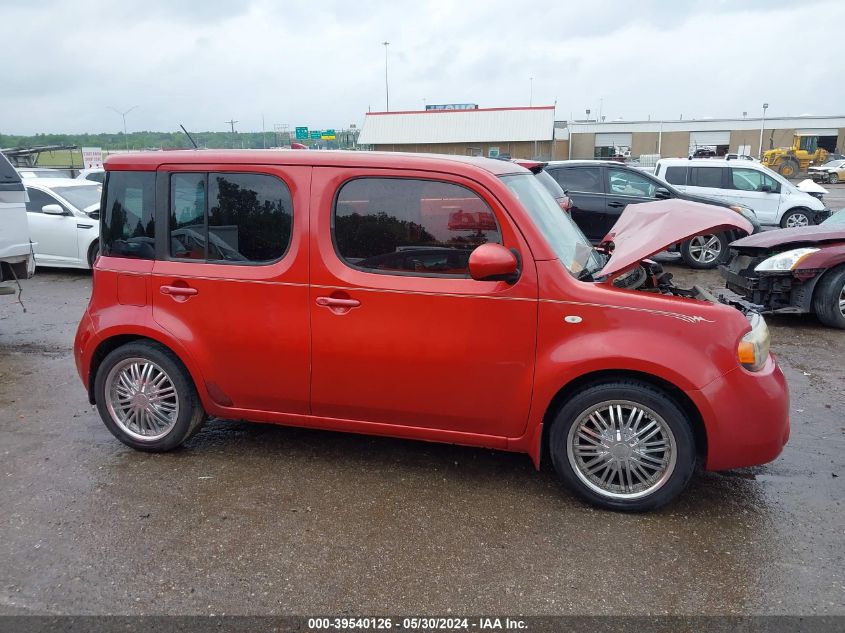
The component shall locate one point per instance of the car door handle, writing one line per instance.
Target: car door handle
(333, 302)
(178, 291)
(616, 205)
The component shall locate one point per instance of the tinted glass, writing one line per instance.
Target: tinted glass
(10, 180)
(751, 180)
(628, 183)
(38, 199)
(81, 197)
(249, 217)
(676, 175)
(584, 179)
(187, 216)
(128, 223)
(706, 177)
(420, 227)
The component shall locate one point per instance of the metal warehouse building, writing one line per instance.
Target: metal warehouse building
(532, 132)
(517, 132)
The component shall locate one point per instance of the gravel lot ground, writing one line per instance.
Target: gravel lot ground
(253, 519)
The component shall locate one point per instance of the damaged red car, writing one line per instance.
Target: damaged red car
(793, 271)
(437, 298)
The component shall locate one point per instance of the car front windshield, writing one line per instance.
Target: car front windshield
(82, 196)
(834, 164)
(563, 235)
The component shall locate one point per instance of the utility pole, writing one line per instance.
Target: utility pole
(762, 126)
(386, 85)
(123, 114)
(231, 123)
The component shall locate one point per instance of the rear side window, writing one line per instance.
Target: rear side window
(706, 177)
(583, 179)
(676, 175)
(415, 227)
(229, 217)
(128, 223)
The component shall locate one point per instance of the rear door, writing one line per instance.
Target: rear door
(584, 184)
(230, 279)
(711, 182)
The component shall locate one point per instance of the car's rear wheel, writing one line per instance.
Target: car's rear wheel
(795, 218)
(704, 251)
(829, 298)
(833, 178)
(146, 398)
(623, 445)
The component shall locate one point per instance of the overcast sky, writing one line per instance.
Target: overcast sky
(321, 64)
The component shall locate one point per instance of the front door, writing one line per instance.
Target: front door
(401, 335)
(625, 187)
(758, 191)
(230, 280)
(55, 236)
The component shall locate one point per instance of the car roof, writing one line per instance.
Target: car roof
(148, 161)
(49, 183)
(713, 162)
(585, 161)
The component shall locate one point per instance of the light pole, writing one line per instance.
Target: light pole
(386, 85)
(762, 125)
(123, 114)
(531, 92)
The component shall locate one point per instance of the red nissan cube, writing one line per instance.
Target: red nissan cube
(440, 298)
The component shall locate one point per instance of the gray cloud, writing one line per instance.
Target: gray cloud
(322, 64)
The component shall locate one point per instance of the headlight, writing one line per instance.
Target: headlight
(745, 212)
(788, 260)
(753, 349)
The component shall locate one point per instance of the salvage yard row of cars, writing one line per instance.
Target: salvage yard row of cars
(405, 268)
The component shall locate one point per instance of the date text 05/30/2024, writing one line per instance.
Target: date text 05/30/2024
(417, 624)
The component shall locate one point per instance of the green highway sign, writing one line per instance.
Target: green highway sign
(328, 135)
(301, 133)
(316, 134)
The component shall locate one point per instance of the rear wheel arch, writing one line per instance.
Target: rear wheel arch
(675, 393)
(108, 345)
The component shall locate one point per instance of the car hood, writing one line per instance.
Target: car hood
(800, 235)
(808, 186)
(648, 228)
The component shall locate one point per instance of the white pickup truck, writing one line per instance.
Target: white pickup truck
(17, 259)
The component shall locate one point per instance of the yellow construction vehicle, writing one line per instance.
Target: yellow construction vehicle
(788, 161)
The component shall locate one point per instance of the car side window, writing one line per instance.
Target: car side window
(751, 180)
(128, 221)
(409, 226)
(229, 217)
(39, 199)
(710, 177)
(580, 179)
(622, 182)
(676, 175)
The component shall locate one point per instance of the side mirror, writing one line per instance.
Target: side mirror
(766, 189)
(662, 193)
(53, 209)
(493, 262)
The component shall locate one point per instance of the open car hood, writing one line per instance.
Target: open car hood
(648, 228)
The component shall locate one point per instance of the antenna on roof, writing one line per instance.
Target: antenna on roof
(191, 138)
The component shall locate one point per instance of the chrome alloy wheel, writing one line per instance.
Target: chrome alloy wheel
(142, 399)
(799, 219)
(621, 449)
(842, 301)
(705, 249)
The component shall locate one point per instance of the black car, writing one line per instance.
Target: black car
(599, 191)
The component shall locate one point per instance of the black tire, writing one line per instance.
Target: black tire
(789, 169)
(93, 251)
(833, 178)
(828, 297)
(701, 263)
(191, 415)
(640, 394)
(793, 213)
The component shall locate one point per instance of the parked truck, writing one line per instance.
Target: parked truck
(17, 259)
(789, 161)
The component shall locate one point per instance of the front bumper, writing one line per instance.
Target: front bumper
(746, 416)
(821, 216)
(776, 292)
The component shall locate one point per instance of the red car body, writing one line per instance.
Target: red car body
(311, 341)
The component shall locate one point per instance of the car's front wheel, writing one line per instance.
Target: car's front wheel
(829, 298)
(795, 218)
(146, 398)
(623, 445)
(833, 178)
(704, 251)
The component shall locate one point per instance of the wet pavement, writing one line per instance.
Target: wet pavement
(254, 519)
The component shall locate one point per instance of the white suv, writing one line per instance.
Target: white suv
(775, 200)
(16, 254)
